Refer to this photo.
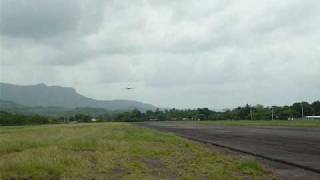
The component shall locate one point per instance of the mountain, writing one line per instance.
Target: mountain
(12, 107)
(42, 95)
(15, 108)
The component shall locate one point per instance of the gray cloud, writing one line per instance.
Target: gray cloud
(44, 19)
(178, 53)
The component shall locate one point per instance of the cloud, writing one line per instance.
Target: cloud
(45, 19)
(178, 53)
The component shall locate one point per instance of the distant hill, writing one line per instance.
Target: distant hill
(41, 95)
(15, 108)
(11, 107)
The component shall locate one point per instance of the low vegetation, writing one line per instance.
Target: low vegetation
(113, 151)
(258, 112)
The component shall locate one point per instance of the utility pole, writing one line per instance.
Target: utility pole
(272, 112)
(302, 114)
(291, 114)
(251, 115)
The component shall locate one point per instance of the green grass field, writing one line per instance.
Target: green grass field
(113, 151)
(283, 123)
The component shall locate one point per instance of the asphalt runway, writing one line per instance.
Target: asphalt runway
(294, 153)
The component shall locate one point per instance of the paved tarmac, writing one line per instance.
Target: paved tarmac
(294, 153)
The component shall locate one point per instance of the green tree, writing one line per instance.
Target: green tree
(316, 108)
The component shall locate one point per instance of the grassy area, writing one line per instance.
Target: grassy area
(113, 151)
(294, 123)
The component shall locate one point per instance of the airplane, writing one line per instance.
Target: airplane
(129, 88)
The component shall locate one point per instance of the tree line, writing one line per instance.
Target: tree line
(9, 119)
(247, 112)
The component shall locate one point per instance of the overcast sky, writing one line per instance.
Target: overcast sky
(177, 53)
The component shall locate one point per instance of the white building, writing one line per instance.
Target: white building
(93, 120)
(312, 117)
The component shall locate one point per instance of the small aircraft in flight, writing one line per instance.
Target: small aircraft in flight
(129, 88)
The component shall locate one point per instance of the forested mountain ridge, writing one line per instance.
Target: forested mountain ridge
(41, 95)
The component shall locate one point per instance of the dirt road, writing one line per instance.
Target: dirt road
(294, 152)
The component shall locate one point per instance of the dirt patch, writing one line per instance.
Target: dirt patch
(158, 169)
(154, 163)
(118, 173)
